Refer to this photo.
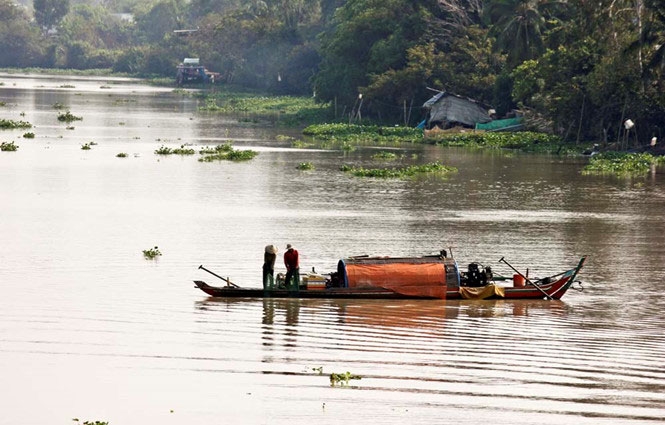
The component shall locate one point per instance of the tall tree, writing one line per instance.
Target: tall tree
(519, 27)
(367, 37)
(49, 13)
(19, 41)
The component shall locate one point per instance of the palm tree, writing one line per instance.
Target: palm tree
(519, 27)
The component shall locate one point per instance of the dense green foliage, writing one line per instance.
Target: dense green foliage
(576, 69)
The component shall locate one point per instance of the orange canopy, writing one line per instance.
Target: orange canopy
(419, 279)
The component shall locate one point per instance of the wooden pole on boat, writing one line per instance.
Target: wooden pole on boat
(228, 282)
(527, 279)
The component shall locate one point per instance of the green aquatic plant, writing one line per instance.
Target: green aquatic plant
(357, 133)
(121, 155)
(58, 105)
(299, 144)
(305, 166)
(342, 378)
(285, 110)
(226, 147)
(524, 141)
(237, 155)
(68, 117)
(399, 173)
(283, 138)
(29, 135)
(86, 147)
(347, 147)
(385, 156)
(163, 150)
(8, 147)
(622, 164)
(182, 150)
(226, 152)
(12, 124)
(151, 253)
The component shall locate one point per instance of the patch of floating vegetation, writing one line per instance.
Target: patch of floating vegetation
(8, 147)
(622, 164)
(182, 150)
(400, 173)
(68, 117)
(342, 378)
(152, 253)
(363, 133)
(226, 152)
(287, 110)
(11, 124)
(305, 166)
(385, 156)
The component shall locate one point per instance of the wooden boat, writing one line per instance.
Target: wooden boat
(427, 277)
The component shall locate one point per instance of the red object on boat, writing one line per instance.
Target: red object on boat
(518, 281)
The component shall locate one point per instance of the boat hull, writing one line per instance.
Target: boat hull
(554, 290)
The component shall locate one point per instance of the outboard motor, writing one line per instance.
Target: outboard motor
(473, 275)
(477, 277)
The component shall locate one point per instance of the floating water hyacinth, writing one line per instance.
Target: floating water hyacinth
(151, 253)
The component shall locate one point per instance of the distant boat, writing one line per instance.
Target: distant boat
(191, 71)
(426, 277)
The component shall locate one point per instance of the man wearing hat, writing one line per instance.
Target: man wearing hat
(269, 258)
(292, 267)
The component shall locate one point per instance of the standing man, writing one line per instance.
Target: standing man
(269, 258)
(292, 264)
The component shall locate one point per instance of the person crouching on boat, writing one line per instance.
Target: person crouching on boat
(292, 264)
(269, 258)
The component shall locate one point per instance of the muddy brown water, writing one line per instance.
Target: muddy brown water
(89, 329)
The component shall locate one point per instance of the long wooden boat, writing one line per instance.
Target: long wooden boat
(427, 277)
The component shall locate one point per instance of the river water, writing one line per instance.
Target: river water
(91, 330)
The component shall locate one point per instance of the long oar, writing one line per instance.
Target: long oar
(228, 282)
(527, 279)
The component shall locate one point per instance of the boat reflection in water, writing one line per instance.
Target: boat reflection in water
(379, 313)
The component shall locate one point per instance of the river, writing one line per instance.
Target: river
(91, 330)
